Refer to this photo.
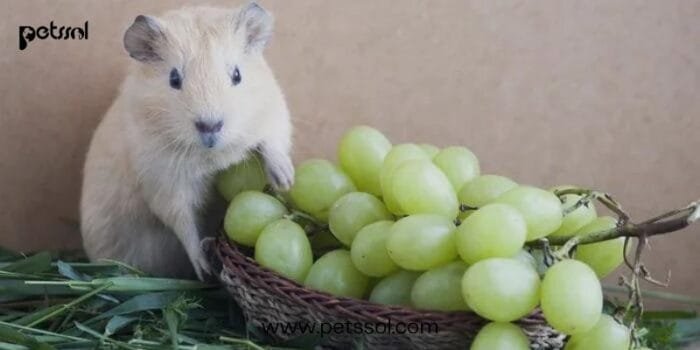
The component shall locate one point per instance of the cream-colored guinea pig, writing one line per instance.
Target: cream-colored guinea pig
(198, 98)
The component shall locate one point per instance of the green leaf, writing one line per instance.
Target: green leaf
(92, 332)
(116, 323)
(19, 287)
(145, 284)
(79, 345)
(212, 347)
(95, 269)
(32, 317)
(9, 335)
(37, 263)
(687, 330)
(68, 271)
(40, 332)
(7, 346)
(172, 320)
(143, 302)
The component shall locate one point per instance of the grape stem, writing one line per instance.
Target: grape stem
(464, 208)
(309, 223)
(671, 221)
(668, 222)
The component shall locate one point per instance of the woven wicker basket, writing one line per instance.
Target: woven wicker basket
(268, 298)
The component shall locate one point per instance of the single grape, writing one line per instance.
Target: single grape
(607, 334)
(484, 189)
(430, 150)
(422, 241)
(572, 298)
(334, 273)
(352, 212)
(576, 219)
(501, 289)
(493, 231)
(249, 213)
(440, 289)
(421, 188)
(603, 257)
(368, 251)
(541, 209)
(361, 153)
(317, 185)
(284, 248)
(459, 164)
(394, 289)
(500, 336)
(396, 156)
(248, 175)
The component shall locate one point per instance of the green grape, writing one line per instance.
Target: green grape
(500, 336)
(459, 164)
(368, 251)
(525, 257)
(421, 188)
(352, 212)
(249, 213)
(541, 209)
(484, 189)
(572, 299)
(493, 231)
(394, 289)
(422, 241)
(607, 334)
(440, 288)
(430, 150)
(603, 257)
(284, 248)
(501, 289)
(317, 185)
(578, 218)
(334, 273)
(248, 175)
(396, 156)
(361, 153)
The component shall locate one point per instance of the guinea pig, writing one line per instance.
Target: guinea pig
(198, 97)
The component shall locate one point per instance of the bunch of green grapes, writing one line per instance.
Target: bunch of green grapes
(417, 226)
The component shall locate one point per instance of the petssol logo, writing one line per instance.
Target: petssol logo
(27, 34)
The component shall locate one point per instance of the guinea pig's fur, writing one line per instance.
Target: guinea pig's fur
(148, 176)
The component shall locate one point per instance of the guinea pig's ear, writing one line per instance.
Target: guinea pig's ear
(256, 26)
(143, 38)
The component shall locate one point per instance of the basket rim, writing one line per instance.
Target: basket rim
(234, 261)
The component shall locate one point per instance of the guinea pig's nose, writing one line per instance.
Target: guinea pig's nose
(208, 127)
(208, 131)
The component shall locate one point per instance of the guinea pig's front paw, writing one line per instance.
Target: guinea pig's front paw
(202, 268)
(280, 172)
(278, 167)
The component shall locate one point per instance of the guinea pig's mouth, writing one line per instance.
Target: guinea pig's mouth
(209, 140)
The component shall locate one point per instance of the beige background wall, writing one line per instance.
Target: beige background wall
(598, 93)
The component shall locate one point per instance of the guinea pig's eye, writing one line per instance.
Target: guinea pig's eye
(236, 77)
(175, 79)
